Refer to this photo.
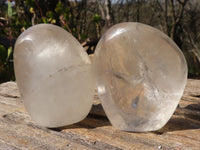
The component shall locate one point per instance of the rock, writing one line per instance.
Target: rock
(141, 75)
(53, 73)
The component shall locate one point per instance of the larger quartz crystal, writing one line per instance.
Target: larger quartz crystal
(53, 73)
(141, 75)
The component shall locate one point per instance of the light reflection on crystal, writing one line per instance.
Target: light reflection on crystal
(117, 32)
(101, 89)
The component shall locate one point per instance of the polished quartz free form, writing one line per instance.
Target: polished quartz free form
(141, 75)
(53, 73)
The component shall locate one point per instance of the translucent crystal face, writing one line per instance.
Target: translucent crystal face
(53, 73)
(141, 75)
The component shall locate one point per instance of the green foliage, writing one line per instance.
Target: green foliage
(66, 14)
(96, 18)
(9, 53)
(83, 36)
(3, 54)
(6, 67)
(59, 8)
(9, 9)
(50, 18)
(49, 14)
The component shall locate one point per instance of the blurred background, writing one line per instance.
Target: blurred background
(87, 20)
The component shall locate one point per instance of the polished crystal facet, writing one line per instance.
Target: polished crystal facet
(53, 73)
(141, 75)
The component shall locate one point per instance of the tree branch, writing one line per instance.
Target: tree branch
(39, 8)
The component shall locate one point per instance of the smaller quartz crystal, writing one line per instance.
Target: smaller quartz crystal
(53, 73)
(141, 75)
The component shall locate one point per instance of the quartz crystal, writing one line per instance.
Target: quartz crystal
(141, 75)
(53, 73)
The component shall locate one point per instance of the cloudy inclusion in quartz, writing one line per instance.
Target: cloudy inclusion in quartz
(141, 75)
(53, 73)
